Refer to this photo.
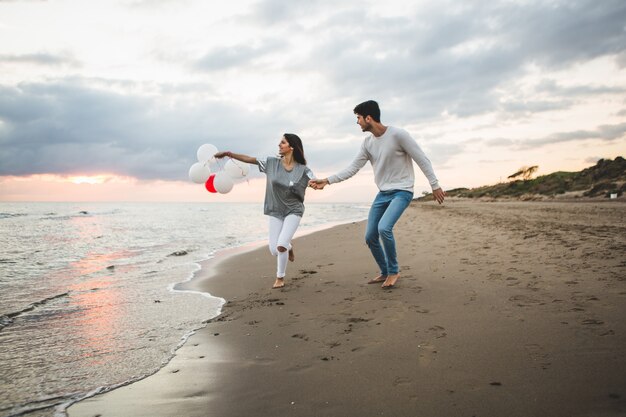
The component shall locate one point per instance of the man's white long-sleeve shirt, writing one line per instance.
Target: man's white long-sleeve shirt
(391, 156)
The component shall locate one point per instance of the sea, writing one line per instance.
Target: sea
(88, 291)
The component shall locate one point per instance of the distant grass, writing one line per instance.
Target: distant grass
(602, 179)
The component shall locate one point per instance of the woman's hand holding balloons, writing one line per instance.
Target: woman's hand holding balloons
(220, 155)
(222, 181)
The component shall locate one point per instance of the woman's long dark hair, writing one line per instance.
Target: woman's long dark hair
(298, 151)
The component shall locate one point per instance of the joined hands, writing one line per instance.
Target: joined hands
(318, 184)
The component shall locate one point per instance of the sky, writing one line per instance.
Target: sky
(110, 100)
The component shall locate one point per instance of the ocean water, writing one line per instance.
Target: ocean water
(87, 290)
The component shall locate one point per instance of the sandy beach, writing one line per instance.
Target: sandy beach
(502, 309)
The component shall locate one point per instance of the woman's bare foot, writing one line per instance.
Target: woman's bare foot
(292, 256)
(380, 278)
(391, 281)
(279, 283)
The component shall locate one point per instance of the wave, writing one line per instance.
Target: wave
(69, 400)
(8, 318)
(12, 215)
(35, 405)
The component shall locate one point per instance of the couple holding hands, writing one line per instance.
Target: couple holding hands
(389, 149)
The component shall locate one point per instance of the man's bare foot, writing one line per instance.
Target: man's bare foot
(279, 283)
(380, 278)
(391, 281)
(292, 256)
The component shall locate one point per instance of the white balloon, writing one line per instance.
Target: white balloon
(236, 169)
(199, 173)
(223, 183)
(205, 153)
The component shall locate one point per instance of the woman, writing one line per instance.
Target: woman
(287, 179)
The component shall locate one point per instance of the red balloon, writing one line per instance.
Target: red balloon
(209, 184)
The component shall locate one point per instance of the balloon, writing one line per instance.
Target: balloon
(236, 169)
(210, 184)
(199, 173)
(205, 153)
(223, 183)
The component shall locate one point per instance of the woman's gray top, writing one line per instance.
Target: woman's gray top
(284, 190)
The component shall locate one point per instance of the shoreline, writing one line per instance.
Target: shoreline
(210, 267)
(196, 284)
(511, 309)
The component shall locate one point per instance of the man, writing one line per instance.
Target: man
(391, 151)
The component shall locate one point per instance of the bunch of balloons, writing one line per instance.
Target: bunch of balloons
(219, 182)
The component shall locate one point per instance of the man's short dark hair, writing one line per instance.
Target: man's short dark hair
(368, 108)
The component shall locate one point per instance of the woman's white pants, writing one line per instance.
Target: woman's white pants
(281, 233)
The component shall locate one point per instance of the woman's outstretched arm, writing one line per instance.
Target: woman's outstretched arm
(238, 156)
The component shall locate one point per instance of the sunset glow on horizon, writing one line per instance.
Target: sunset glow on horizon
(90, 179)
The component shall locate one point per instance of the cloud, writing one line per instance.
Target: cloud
(41, 58)
(279, 12)
(604, 133)
(607, 133)
(447, 58)
(237, 56)
(151, 4)
(554, 88)
(535, 106)
(503, 60)
(70, 127)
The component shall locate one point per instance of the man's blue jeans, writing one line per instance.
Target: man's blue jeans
(386, 209)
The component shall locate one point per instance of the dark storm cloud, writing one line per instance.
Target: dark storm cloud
(65, 127)
(451, 58)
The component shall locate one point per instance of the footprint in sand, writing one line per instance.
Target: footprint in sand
(512, 281)
(402, 381)
(472, 295)
(537, 354)
(524, 300)
(439, 331)
(418, 309)
(495, 276)
(592, 322)
(357, 320)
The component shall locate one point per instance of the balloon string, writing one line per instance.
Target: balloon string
(220, 164)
